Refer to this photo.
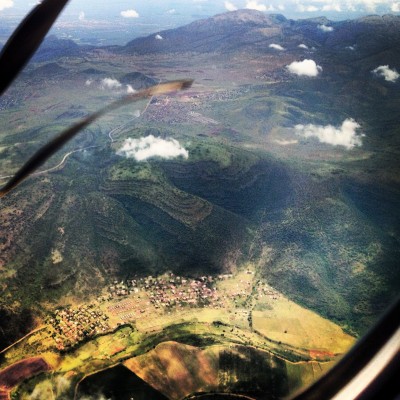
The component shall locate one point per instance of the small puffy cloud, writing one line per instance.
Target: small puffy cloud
(283, 142)
(390, 75)
(303, 8)
(352, 48)
(371, 5)
(302, 46)
(6, 4)
(37, 394)
(110, 83)
(254, 5)
(332, 7)
(150, 146)
(276, 47)
(304, 68)
(129, 14)
(325, 28)
(346, 135)
(158, 37)
(62, 384)
(81, 16)
(171, 11)
(230, 6)
(350, 7)
(88, 82)
(395, 7)
(281, 7)
(130, 89)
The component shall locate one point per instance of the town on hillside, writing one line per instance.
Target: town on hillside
(130, 300)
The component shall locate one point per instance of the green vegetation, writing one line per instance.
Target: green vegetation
(319, 223)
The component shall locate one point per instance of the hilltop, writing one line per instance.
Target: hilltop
(253, 31)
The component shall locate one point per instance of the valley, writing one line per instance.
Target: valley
(244, 257)
(131, 323)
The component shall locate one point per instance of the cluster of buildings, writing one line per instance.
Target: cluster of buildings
(168, 291)
(265, 291)
(131, 299)
(225, 95)
(73, 325)
(180, 292)
(180, 111)
(162, 110)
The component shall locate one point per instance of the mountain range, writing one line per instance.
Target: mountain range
(322, 223)
(253, 31)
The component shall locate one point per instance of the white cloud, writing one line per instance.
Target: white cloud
(325, 28)
(158, 37)
(276, 47)
(345, 136)
(332, 7)
(350, 7)
(130, 14)
(88, 82)
(110, 83)
(37, 394)
(390, 75)
(352, 48)
(309, 8)
(6, 4)
(171, 11)
(361, 6)
(370, 5)
(130, 89)
(254, 5)
(150, 146)
(81, 16)
(395, 7)
(304, 68)
(62, 384)
(281, 7)
(302, 46)
(229, 6)
(286, 142)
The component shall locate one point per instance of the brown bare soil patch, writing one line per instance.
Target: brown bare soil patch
(321, 355)
(18, 372)
(177, 370)
(117, 350)
(4, 395)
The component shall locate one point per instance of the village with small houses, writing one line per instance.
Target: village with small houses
(150, 298)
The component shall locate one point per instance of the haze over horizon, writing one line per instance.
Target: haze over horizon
(136, 19)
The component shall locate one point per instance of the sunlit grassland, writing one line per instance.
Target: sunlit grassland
(226, 326)
(286, 322)
(107, 351)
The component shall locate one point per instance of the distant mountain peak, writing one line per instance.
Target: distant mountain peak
(244, 16)
(225, 32)
(380, 19)
(253, 31)
(316, 20)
